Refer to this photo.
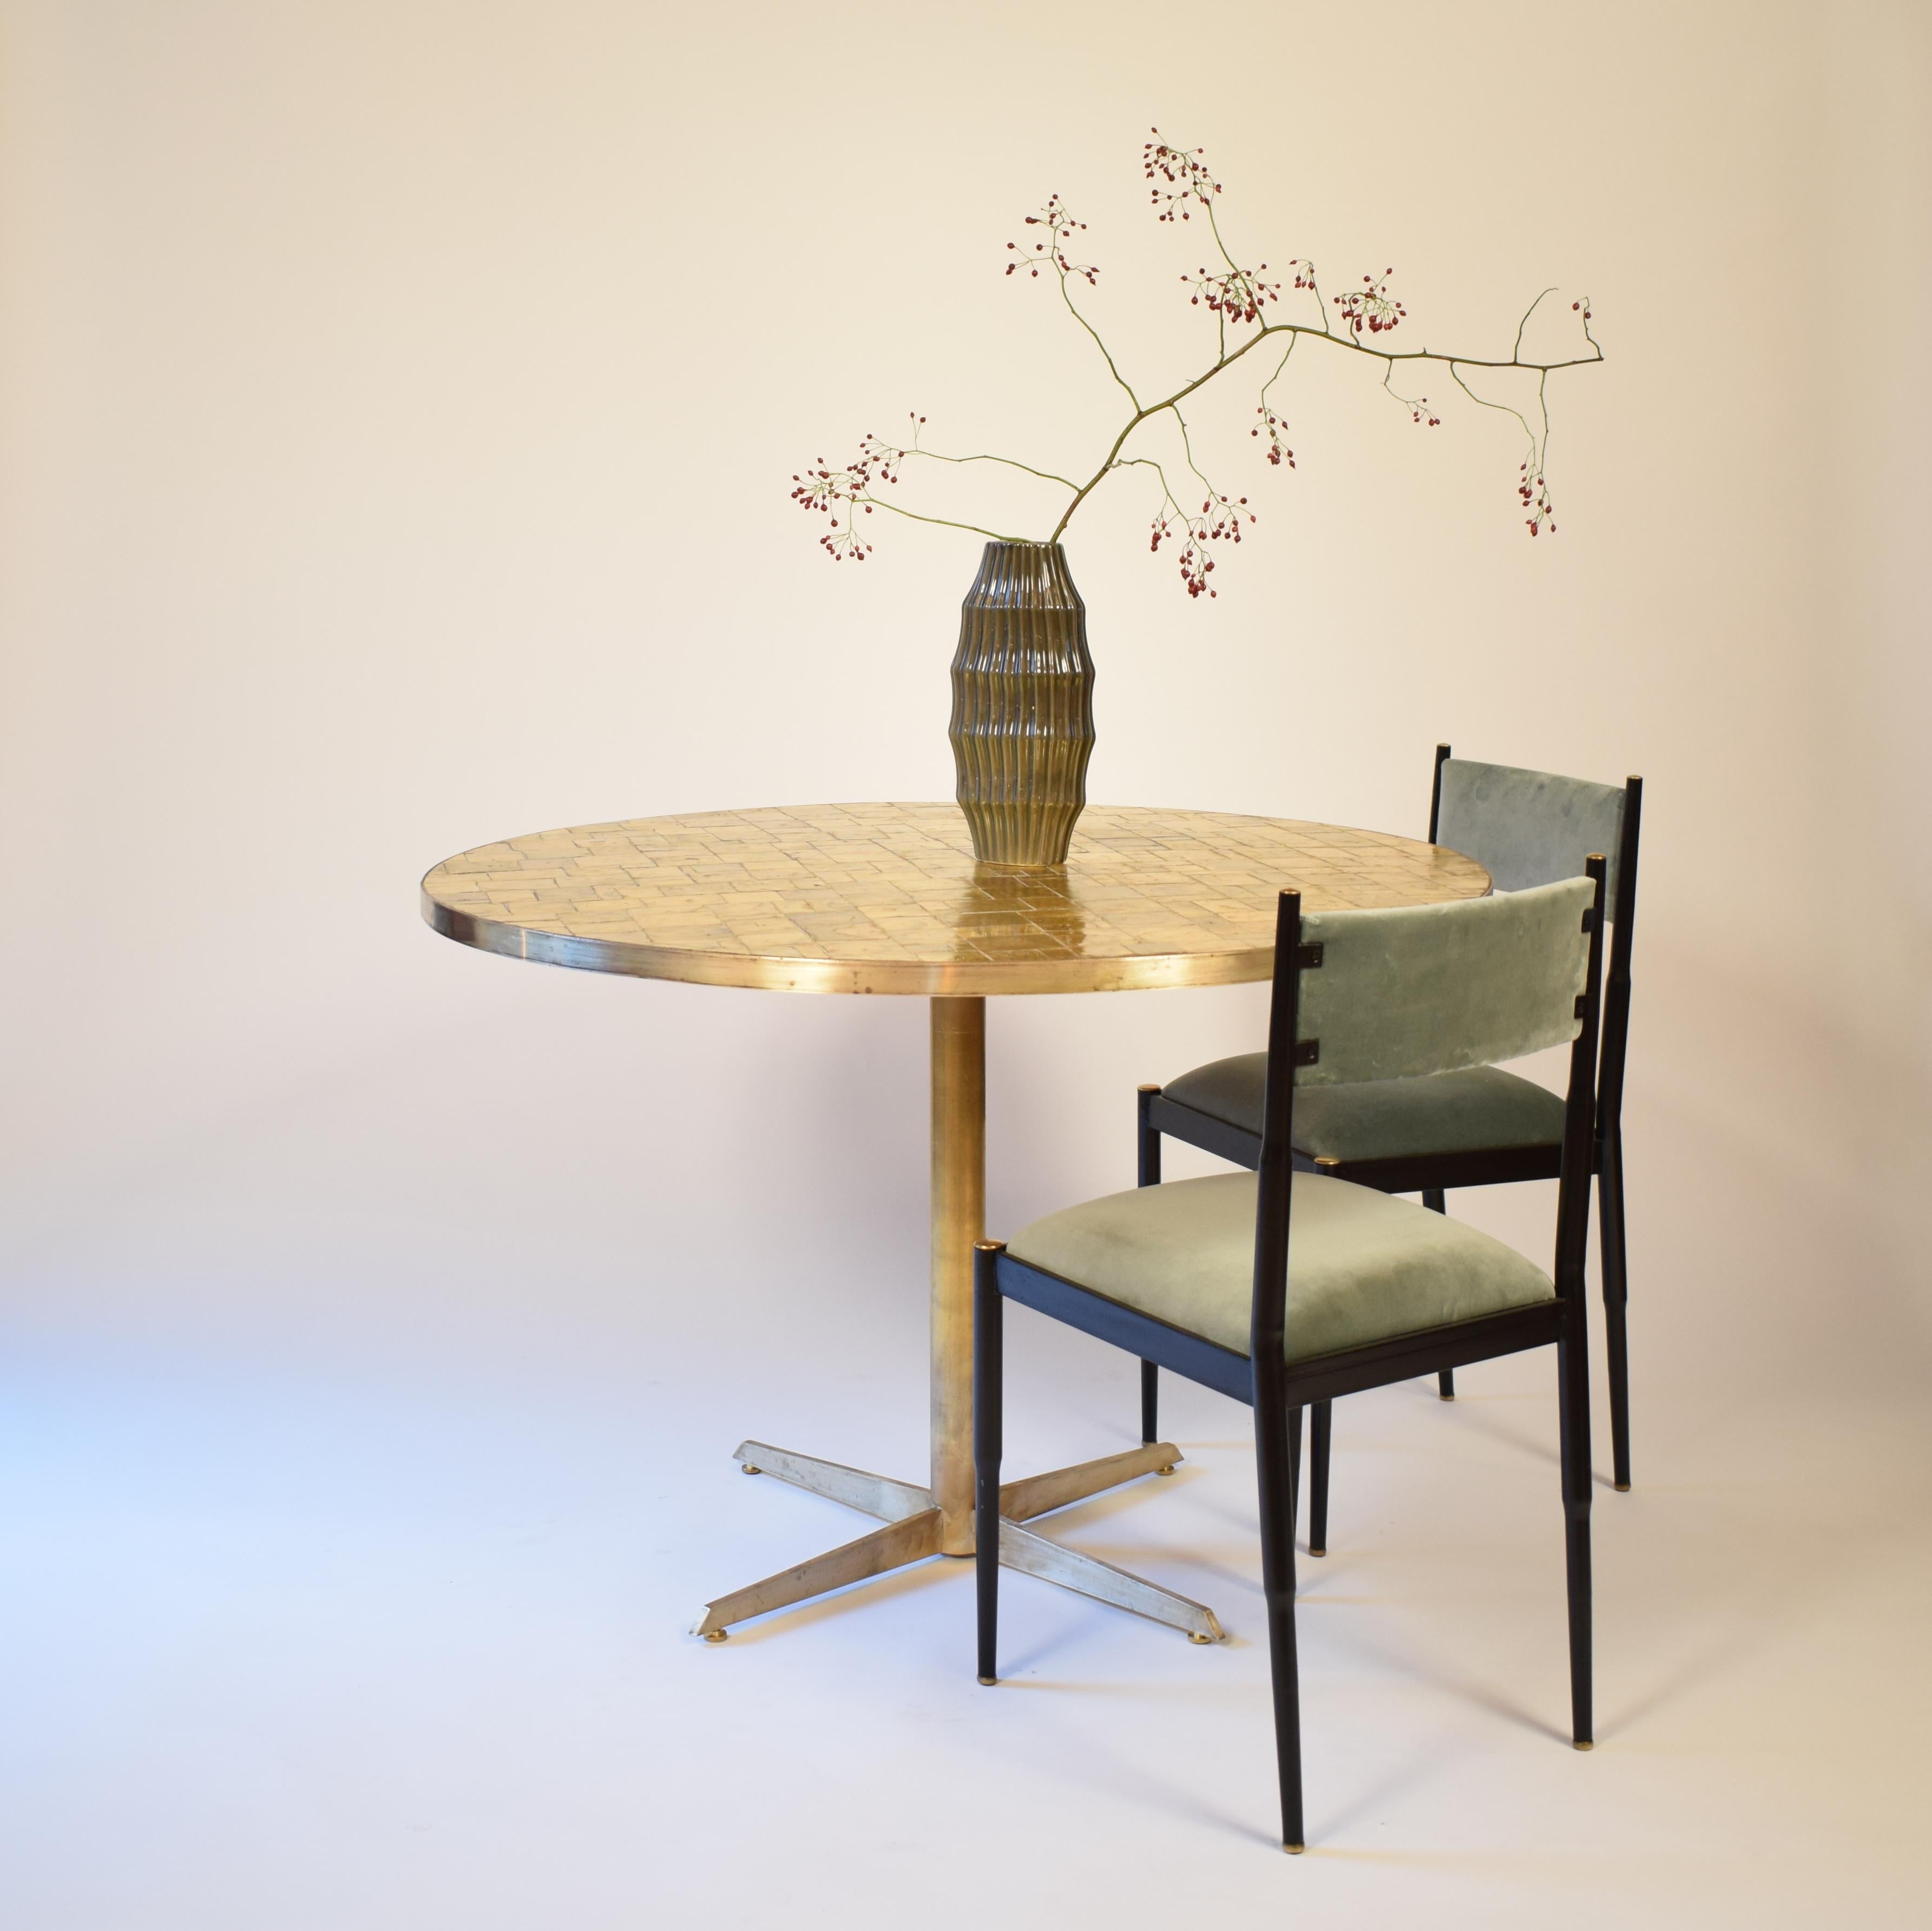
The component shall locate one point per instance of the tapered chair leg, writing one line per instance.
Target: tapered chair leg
(1275, 1436)
(1147, 1167)
(1445, 1381)
(1320, 1418)
(987, 1375)
(1616, 1285)
(1573, 1374)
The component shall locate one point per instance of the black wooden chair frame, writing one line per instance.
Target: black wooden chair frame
(1278, 1390)
(1432, 1175)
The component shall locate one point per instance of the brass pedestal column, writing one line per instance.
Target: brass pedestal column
(958, 1219)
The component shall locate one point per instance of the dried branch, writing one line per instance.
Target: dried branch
(1238, 298)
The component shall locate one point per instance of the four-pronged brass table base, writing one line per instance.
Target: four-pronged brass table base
(912, 1532)
(887, 899)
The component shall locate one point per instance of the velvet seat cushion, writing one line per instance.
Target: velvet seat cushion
(1362, 1266)
(1468, 1111)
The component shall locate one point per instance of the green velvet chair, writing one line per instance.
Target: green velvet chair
(1478, 1128)
(1284, 1288)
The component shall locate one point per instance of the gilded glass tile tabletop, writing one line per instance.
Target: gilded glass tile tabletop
(886, 898)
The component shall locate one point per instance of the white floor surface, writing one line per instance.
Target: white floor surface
(295, 1640)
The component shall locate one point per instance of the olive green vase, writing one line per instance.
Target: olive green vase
(1022, 727)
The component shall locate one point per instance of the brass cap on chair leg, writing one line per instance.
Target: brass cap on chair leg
(989, 1681)
(1294, 1850)
(716, 1636)
(1583, 1746)
(749, 1468)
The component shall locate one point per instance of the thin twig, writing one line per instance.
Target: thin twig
(1456, 376)
(1187, 450)
(998, 535)
(1045, 476)
(1073, 311)
(1525, 322)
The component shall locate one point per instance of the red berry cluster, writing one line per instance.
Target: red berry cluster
(1219, 521)
(1278, 452)
(826, 489)
(1186, 174)
(1238, 295)
(886, 457)
(1370, 306)
(1058, 221)
(1304, 274)
(1535, 494)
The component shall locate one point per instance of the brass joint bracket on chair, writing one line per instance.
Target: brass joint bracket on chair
(1307, 1052)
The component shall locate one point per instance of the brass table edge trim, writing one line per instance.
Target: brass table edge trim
(962, 978)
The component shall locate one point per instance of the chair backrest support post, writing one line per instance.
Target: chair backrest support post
(1580, 1115)
(1617, 984)
(1442, 755)
(1267, 1317)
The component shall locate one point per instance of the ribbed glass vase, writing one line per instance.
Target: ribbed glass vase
(1022, 727)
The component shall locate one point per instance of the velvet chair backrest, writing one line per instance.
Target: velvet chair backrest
(1529, 827)
(1434, 988)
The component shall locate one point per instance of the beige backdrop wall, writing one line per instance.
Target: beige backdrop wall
(397, 407)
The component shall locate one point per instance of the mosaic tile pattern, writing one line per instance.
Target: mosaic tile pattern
(886, 898)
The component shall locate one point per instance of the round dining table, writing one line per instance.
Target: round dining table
(887, 899)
